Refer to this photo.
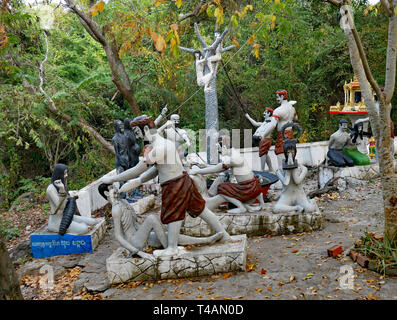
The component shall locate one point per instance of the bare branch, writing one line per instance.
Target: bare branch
(228, 48)
(187, 49)
(199, 37)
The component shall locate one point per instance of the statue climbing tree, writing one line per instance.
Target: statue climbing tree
(207, 61)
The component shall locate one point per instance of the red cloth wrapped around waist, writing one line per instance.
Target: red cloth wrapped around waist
(178, 196)
(264, 146)
(280, 141)
(243, 191)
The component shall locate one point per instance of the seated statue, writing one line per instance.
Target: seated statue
(135, 236)
(245, 191)
(357, 150)
(62, 218)
(293, 197)
(339, 140)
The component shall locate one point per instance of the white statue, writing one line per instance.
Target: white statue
(264, 137)
(173, 132)
(245, 191)
(179, 193)
(135, 236)
(62, 206)
(283, 114)
(293, 197)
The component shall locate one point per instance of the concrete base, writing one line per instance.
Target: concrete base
(327, 173)
(256, 224)
(46, 244)
(196, 262)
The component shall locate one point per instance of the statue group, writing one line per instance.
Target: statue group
(183, 186)
(147, 150)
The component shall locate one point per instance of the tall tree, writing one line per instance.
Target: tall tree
(119, 74)
(379, 119)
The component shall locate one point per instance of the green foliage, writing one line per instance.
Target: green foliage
(295, 45)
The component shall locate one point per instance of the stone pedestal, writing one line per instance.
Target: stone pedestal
(46, 244)
(256, 224)
(195, 262)
(327, 173)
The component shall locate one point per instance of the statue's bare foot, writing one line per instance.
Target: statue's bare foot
(166, 252)
(216, 237)
(252, 208)
(226, 237)
(237, 210)
(300, 209)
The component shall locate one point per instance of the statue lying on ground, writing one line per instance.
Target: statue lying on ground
(264, 138)
(245, 191)
(179, 194)
(135, 236)
(293, 197)
(62, 218)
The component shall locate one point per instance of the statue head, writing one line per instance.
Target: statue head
(197, 54)
(143, 127)
(175, 119)
(281, 95)
(290, 146)
(127, 125)
(223, 145)
(118, 126)
(217, 34)
(60, 173)
(343, 124)
(267, 113)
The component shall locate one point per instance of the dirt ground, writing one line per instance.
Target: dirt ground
(278, 267)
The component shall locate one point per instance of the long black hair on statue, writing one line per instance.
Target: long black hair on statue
(59, 174)
(68, 214)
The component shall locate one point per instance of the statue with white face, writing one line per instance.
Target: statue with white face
(172, 131)
(283, 114)
(264, 137)
(61, 203)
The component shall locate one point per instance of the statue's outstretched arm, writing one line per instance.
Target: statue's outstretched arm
(132, 173)
(253, 122)
(208, 170)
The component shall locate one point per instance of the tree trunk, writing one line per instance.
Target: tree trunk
(380, 123)
(9, 282)
(119, 75)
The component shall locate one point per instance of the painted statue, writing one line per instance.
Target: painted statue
(264, 137)
(293, 197)
(135, 236)
(337, 142)
(62, 218)
(357, 150)
(172, 131)
(179, 194)
(247, 189)
(283, 114)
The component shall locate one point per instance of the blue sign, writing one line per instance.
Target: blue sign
(49, 245)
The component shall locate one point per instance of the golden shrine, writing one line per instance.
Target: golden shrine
(354, 102)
